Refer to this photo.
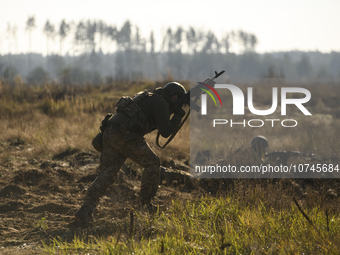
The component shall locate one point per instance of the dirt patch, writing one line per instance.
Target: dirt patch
(123, 192)
(65, 174)
(37, 202)
(11, 206)
(51, 208)
(65, 154)
(12, 191)
(31, 177)
(86, 158)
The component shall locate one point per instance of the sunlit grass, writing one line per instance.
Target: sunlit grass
(53, 118)
(220, 225)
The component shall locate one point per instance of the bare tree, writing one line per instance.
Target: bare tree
(138, 41)
(248, 40)
(124, 36)
(30, 26)
(9, 36)
(253, 42)
(178, 38)
(243, 37)
(64, 29)
(152, 42)
(211, 45)
(226, 43)
(193, 39)
(168, 41)
(49, 31)
(111, 34)
(14, 36)
(80, 34)
(101, 28)
(91, 29)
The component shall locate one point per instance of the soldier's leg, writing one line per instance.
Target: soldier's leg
(110, 163)
(136, 148)
(149, 183)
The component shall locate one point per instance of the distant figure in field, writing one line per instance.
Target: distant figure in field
(252, 155)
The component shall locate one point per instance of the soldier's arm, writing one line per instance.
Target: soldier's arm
(162, 117)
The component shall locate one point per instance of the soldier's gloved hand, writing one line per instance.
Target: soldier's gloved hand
(179, 112)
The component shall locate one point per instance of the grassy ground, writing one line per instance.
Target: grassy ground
(237, 217)
(218, 225)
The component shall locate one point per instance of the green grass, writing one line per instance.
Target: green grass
(69, 117)
(222, 225)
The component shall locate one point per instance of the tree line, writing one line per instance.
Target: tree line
(91, 36)
(99, 52)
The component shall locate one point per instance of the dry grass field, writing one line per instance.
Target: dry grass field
(47, 163)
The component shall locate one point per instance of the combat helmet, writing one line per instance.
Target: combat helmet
(173, 88)
(259, 143)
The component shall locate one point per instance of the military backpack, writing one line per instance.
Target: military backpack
(137, 118)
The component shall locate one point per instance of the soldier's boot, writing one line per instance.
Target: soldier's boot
(97, 189)
(149, 187)
(84, 215)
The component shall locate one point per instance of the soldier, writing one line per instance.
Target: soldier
(259, 145)
(252, 155)
(123, 138)
(245, 156)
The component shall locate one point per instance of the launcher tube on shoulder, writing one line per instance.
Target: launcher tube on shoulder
(192, 96)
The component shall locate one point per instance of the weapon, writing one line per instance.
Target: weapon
(190, 98)
(281, 157)
(169, 175)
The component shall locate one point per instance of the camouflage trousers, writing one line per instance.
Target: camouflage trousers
(119, 144)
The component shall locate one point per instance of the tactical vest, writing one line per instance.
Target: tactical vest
(128, 106)
(135, 119)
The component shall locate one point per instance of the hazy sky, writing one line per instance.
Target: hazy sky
(278, 25)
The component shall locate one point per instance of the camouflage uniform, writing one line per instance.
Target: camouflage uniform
(119, 143)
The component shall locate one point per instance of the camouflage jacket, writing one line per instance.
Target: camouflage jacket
(156, 108)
